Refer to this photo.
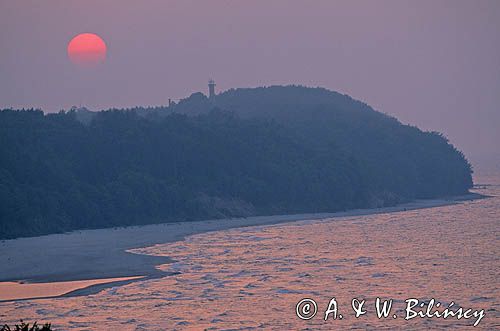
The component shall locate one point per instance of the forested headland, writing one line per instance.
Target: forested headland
(261, 151)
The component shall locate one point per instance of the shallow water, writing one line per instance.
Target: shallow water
(252, 278)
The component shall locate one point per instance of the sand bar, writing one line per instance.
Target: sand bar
(20, 291)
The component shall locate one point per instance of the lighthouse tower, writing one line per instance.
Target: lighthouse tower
(211, 89)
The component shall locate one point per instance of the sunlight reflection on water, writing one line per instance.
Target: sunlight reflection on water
(251, 278)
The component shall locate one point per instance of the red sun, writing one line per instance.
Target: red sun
(87, 49)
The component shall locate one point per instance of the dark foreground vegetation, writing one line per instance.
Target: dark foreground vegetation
(26, 327)
(248, 152)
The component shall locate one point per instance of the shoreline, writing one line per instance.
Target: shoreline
(102, 253)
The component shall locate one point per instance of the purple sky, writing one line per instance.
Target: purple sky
(434, 64)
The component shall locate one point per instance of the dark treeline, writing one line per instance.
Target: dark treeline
(249, 152)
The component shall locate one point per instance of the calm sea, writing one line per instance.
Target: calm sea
(252, 278)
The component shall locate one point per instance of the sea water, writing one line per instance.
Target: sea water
(258, 277)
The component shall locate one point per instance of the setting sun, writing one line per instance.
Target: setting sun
(87, 49)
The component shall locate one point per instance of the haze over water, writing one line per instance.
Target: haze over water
(252, 278)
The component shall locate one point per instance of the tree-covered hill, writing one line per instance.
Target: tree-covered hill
(248, 152)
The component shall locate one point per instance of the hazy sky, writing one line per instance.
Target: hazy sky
(434, 64)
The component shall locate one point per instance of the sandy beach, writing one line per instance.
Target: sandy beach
(102, 253)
